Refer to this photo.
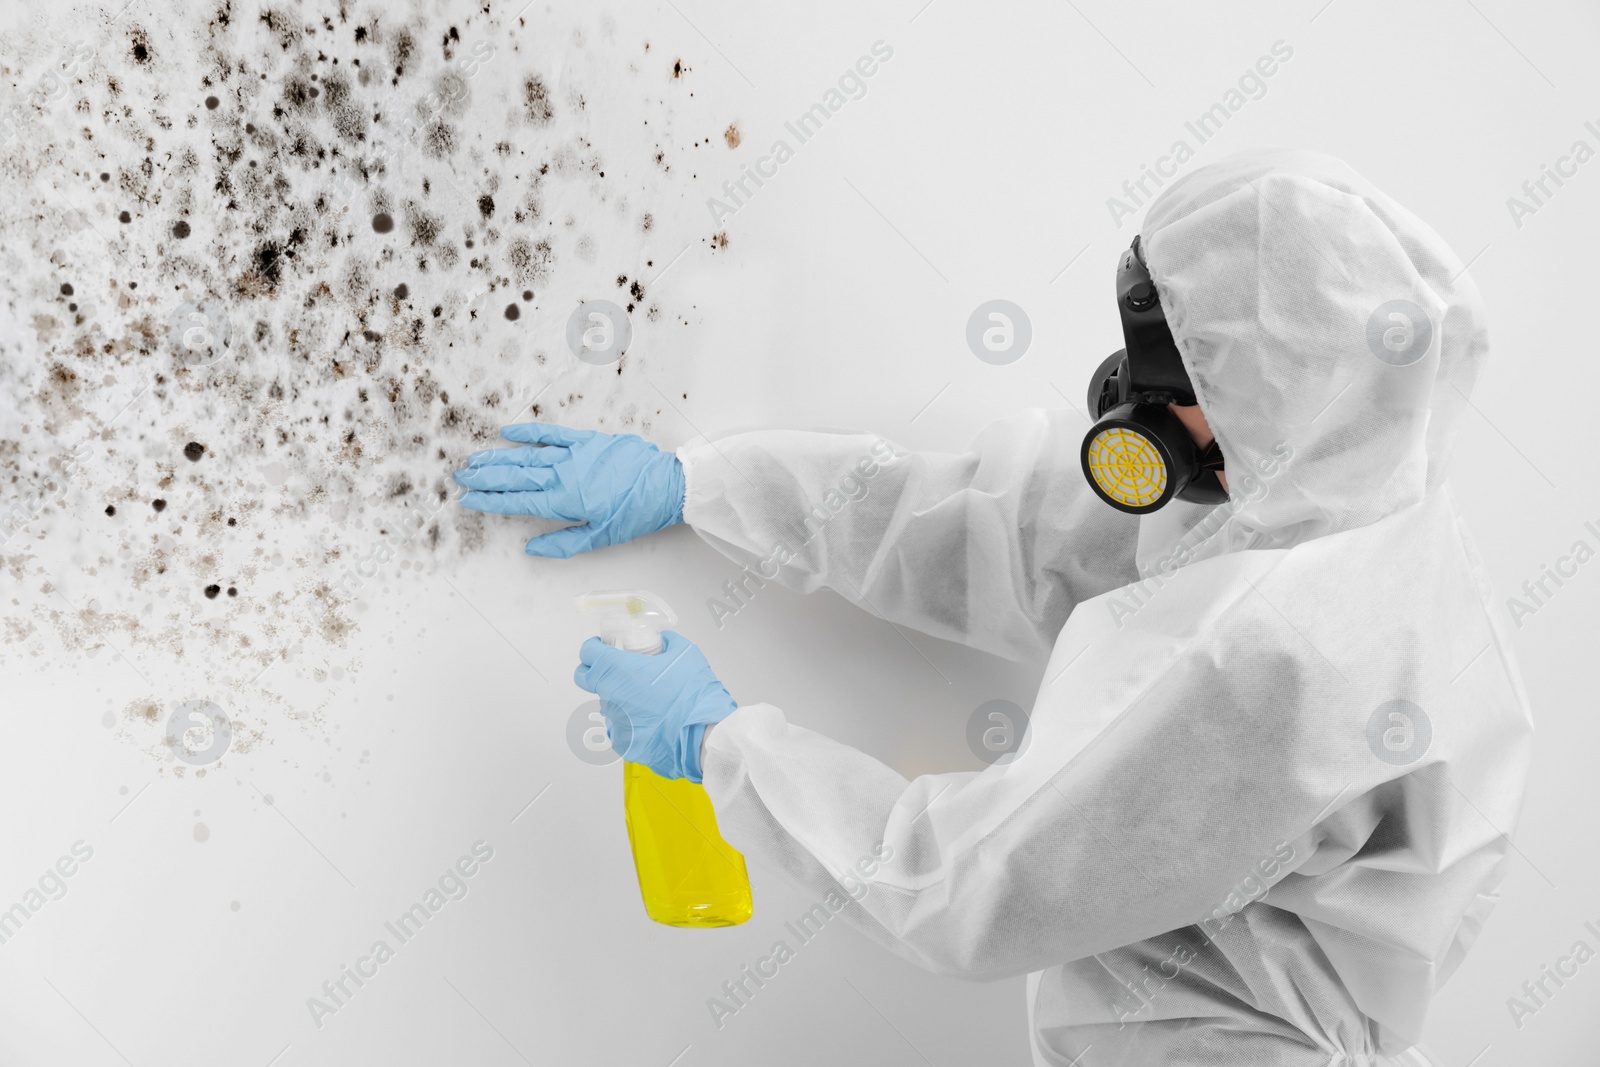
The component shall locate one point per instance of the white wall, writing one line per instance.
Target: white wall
(977, 166)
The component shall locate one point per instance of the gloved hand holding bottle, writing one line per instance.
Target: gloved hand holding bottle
(657, 708)
(659, 697)
(618, 486)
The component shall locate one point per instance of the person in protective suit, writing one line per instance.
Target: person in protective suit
(1281, 744)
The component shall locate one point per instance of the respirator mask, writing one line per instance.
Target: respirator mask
(1138, 456)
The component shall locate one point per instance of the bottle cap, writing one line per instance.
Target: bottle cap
(631, 620)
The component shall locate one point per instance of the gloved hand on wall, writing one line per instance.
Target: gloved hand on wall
(656, 707)
(618, 485)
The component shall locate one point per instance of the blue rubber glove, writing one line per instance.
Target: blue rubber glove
(618, 485)
(656, 708)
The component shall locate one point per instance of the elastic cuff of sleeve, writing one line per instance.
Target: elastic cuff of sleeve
(689, 456)
(692, 736)
(679, 489)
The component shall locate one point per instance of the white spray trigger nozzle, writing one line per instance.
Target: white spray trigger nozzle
(631, 620)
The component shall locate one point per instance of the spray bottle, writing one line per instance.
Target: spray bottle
(688, 875)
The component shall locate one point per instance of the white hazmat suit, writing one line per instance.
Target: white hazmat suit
(1281, 743)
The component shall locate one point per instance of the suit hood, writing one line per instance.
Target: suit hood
(1332, 338)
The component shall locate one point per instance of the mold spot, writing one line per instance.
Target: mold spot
(159, 504)
(193, 451)
(383, 222)
(297, 93)
(513, 312)
(211, 103)
(211, 591)
(267, 272)
(180, 229)
(532, 262)
(350, 122)
(536, 101)
(731, 135)
(336, 87)
(440, 140)
(425, 228)
(405, 46)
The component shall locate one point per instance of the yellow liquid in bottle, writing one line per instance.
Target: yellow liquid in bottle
(688, 875)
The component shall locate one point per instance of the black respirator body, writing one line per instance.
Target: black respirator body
(1138, 455)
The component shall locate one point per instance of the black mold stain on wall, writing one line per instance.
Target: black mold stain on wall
(317, 251)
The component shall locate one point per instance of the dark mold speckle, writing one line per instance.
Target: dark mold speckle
(335, 122)
(536, 101)
(266, 271)
(425, 228)
(531, 260)
(440, 139)
(405, 46)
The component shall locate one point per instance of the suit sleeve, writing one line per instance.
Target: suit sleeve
(991, 547)
(1182, 754)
